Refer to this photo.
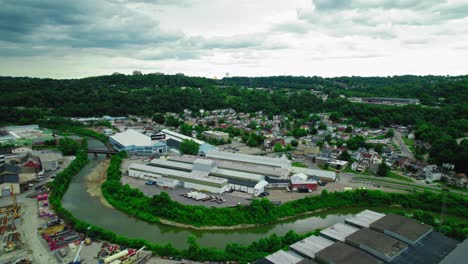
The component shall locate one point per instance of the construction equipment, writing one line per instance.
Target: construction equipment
(77, 259)
(16, 213)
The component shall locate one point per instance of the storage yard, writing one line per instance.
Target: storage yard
(35, 235)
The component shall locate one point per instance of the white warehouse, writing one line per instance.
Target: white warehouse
(197, 180)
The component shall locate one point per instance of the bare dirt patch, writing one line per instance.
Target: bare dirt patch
(95, 180)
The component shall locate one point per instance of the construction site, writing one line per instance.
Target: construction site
(32, 233)
(10, 237)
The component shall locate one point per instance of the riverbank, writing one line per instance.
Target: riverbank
(95, 180)
(242, 226)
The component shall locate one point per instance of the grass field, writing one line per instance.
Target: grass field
(299, 164)
(396, 176)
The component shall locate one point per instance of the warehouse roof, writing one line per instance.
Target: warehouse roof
(364, 218)
(310, 245)
(132, 137)
(179, 137)
(432, 248)
(406, 229)
(237, 174)
(261, 160)
(238, 166)
(49, 156)
(282, 257)
(338, 232)
(385, 246)
(311, 172)
(253, 168)
(171, 164)
(458, 255)
(195, 176)
(339, 253)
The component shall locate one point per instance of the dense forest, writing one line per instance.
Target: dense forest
(441, 119)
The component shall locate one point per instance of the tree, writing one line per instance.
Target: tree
(390, 133)
(159, 118)
(383, 170)
(278, 147)
(68, 146)
(349, 129)
(322, 126)
(172, 121)
(355, 142)
(294, 143)
(344, 155)
(186, 129)
(252, 125)
(374, 122)
(189, 147)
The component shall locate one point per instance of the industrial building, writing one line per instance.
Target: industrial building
(340, 252)
(323, 175)
(216, 135)
(390, 101)
(309, 246)
(343, 243)
(407, 230)
(198, 180)
(338, 232)
(49, 160)
(270, 172)
(137, 143)
(283, 162)
(236, 180)
(377, 244)
(173, 140)
(300, 181)
(280, 257)
(364, 218)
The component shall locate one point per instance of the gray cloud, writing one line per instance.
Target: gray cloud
(378, 18)
(289, 27)
(333, 5)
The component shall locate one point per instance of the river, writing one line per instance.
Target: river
(80, 203)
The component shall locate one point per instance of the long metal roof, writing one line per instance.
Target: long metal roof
(132, 138)
(364, 218)
(180, 137)
(282, 257)
(239, 166)
(338, 232)
(237, 174)
(311, 245)
(171, 164)
(176, 174)
(254, 159)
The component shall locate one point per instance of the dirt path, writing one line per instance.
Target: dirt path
(95, 180)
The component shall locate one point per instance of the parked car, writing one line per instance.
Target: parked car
(149, 182)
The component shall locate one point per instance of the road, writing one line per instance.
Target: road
(404, 149)
(400, 184)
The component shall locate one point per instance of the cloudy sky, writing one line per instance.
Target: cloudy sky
(66, 39)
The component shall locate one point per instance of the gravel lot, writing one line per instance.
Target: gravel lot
(150, 190)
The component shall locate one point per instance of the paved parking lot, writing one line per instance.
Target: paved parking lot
(150, 190)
